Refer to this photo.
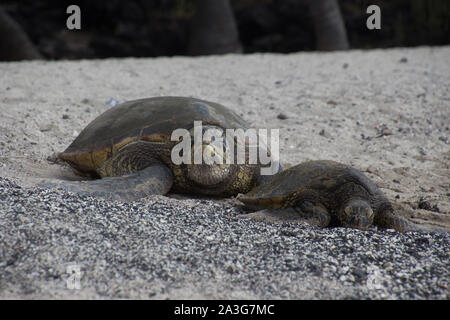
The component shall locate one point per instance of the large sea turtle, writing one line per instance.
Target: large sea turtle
(326, 193)
(129, 148)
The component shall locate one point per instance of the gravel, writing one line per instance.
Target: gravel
(167, 248)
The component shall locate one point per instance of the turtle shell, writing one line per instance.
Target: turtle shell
(151, 119)
(323, 176)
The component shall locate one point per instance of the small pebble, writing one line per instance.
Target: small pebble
(112, 102)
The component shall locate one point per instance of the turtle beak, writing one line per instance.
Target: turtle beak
(214, 151)
(361, 222)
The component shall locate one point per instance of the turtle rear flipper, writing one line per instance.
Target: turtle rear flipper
(153, 180)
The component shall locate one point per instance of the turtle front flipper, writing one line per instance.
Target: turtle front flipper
(315, 215)
(388, 219)
(153, 180)
(274, 215)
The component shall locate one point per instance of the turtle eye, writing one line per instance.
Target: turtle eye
(369, 213)
(348, 211)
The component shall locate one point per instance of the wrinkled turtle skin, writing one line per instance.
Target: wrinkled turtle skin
(129, 148)
(326, 193)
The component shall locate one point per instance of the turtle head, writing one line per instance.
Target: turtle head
(209, 174)
(208, 167)
(356, 214)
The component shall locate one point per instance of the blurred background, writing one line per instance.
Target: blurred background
(32, 29)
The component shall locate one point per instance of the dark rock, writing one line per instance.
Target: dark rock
(282, 116)
(425, 205)
(359, 274)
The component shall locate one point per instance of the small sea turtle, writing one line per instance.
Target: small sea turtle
(129, 148)
(325, 193)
